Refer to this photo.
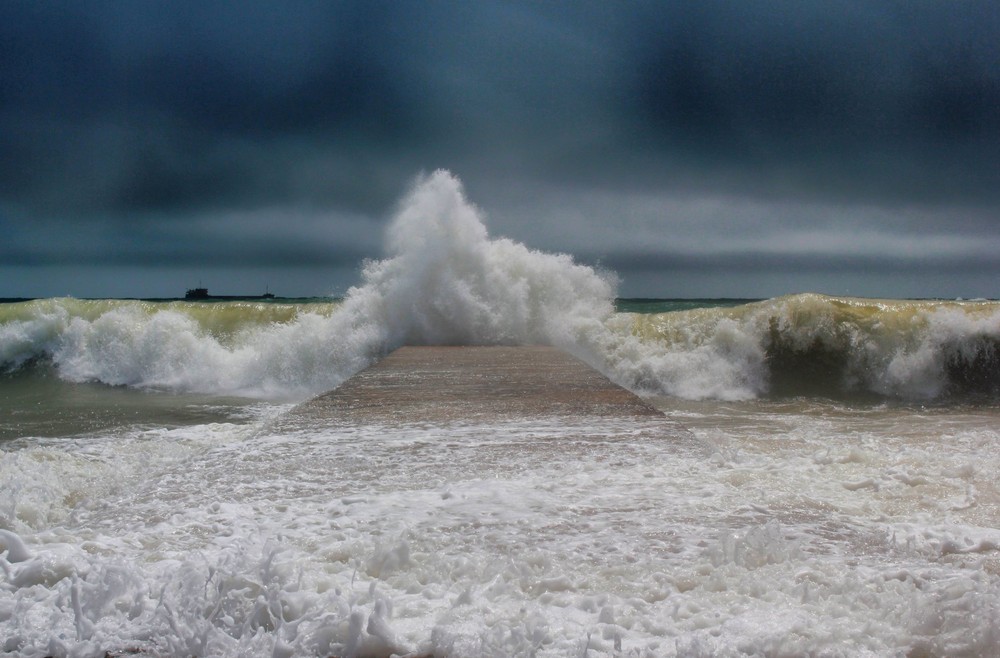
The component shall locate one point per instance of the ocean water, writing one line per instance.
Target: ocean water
(837, 494)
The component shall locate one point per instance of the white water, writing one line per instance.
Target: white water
(779, 529)
(791, 527)
(444, 280)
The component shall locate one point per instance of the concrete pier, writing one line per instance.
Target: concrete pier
(474, 384)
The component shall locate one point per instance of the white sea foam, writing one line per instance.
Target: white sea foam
(787, 527)
(525, 538)
(443, 281)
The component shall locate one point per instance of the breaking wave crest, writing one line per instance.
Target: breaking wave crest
(444, 280)
(811, 344)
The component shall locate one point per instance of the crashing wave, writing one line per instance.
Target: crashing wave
(445, 280)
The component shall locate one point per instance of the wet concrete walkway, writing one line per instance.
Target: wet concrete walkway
(474, 384)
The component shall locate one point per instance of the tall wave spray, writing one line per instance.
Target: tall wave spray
(446, 281)
(443, 281)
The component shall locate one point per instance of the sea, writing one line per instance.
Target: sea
(835, 493)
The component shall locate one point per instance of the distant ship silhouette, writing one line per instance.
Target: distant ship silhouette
(202, 293)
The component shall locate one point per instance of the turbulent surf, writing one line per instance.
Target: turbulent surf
(444, 280)
(833, 493)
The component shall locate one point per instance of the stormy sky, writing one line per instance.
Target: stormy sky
(743, 149)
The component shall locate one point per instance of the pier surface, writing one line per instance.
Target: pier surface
(474, 384)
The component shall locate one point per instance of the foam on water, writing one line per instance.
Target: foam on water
(788, 526)
(522, 538)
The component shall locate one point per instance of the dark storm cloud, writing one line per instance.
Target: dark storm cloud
(244, 67)
(131, 107)
(872, 99)
(118, 118)
(571, 89)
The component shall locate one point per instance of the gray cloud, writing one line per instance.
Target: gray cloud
(756, 262)
(142, 115)
(876, 100)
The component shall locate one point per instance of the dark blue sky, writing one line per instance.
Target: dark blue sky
(698, 148)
